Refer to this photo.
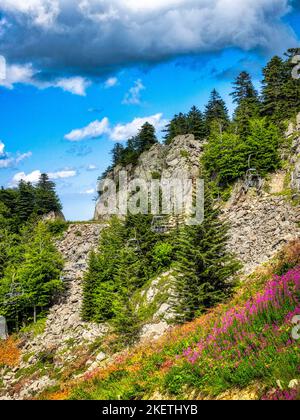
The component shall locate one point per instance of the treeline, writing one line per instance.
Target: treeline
(252, 138)
(30, 264)
(27, 201)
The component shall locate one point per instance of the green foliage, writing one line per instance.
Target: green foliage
(142, 142)
(216, 112)
(45, 196)
(227, 155)
(30, 274)
(204, 267)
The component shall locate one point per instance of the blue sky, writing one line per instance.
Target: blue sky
(82, 75)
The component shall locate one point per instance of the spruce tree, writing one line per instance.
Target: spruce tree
(216, 112)
(25, 201)
(177, 126)
(205, 269)
(117, 154)
(248, 105)
(39, 274)
(196, 124)
(275, 77)
(46, 197)
(146, 137)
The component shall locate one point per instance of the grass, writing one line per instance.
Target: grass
(235, 345)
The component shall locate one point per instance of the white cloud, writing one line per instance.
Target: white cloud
(110, 82)
(119, 132)
(133, 97)
(122, 132)
(75, 85)
(26, 74)
(8, 160)
(92, 167)
(88, 191)
(93, 130)
(34, 176)
(62, 174)
(2, 147)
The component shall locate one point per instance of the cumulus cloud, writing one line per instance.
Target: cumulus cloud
(34, 176)
(110, 82)
(122, 132)
(119, 132)
(93, 130)
(133, 97)
(8, 160)
(47, 32)
(26, 74)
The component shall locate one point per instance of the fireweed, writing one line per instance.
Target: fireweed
(233, 345)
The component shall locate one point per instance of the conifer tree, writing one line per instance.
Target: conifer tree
(205, 269)
(248, 105)
(275, 77)
(117, 154)
(196, 124)
(39, 274)
(216, 112)
(25, 200)
(146, 138)
(177, 126)
(46, 197)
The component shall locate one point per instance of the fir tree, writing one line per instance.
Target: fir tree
(216, 112)
(177, 126)
(117, 154)
(146, 138)
(248, 105)
(46, 197)
(39, 274)
(275, 77)
(25, 200)
(196, 124)
(205, 269)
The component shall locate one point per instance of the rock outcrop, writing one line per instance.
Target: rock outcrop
(175, 161)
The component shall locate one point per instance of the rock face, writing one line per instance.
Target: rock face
(177, 160)
(259, 227)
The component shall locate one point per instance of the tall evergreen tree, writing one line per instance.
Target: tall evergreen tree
(196, 124)
(275, 77)
(46, 197)
(25, 200)
(248, 105)
(117, 154)
(205, 269)
(146, 138)
(177, 126)
(216, 111)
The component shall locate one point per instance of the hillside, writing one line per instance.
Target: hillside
(240, 349)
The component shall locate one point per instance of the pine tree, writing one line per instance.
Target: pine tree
(275, 77)
(216, 112)
(117, 154)
(196, 124)
(146, 138)
(178, 126)
(89, 287)
(248, 105)
(205, 269)
(46, 197)
(25, 201)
